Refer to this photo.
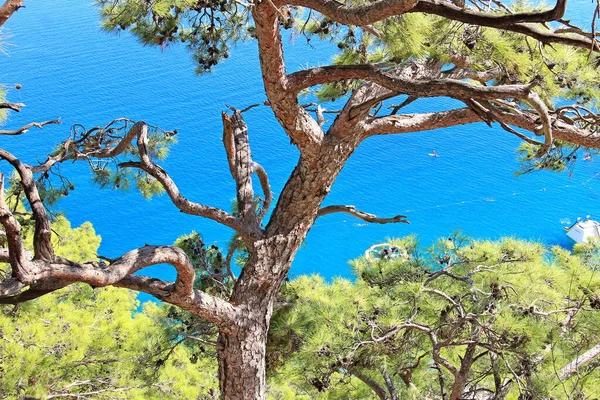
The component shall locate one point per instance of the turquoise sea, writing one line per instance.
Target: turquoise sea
(70, 69)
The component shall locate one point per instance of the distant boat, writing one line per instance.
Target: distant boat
(433, 154)
(582, 231)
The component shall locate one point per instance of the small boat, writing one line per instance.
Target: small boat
(582, 230)
(433, 154)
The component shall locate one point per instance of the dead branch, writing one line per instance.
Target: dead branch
(25, 129)
(235, 128)
(361, 214)
(12, 106)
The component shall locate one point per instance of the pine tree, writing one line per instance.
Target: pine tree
(507, 63)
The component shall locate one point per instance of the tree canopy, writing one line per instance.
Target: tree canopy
(463, 319)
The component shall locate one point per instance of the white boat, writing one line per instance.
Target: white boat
(582, 231)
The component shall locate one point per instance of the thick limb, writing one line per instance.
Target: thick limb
(376, 11)
(562, 129)
(573, 367)
(302, 129)
(520, 22)
(401, 85)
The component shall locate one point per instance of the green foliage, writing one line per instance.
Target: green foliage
(208, 28)
(79, 340)
(562, 156)
(532, 311)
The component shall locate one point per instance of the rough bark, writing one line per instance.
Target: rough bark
(242, 350)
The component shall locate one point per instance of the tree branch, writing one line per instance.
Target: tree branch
(521, 22)
(45, 277)
(382, 9)
(371, 383)
(8, 9)
(234, 127)
(171, 188)
(13, 106)
(266, 188)
(407, 123)
(42, 245)
(361, 214)
(400, 85)
(572, 368)
(516, 22)
(26, 128)
(302, 129)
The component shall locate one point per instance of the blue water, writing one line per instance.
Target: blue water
(70, 69)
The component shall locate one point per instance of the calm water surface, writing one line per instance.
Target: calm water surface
(72, 70)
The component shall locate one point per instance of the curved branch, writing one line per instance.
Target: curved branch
(538, 105)
(25, 129)
(357, 15)
(516, 22)
(230, 253)
(171, 188)
(211, 308)
(382, 9)
(266, 187)
(103, 275)
(302, 129)
(371, 383)
(407, 123)
(45, 277)
(361, 214)
(400, 85)
(41, 237)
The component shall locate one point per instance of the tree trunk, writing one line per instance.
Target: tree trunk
(242, 362)
(243, 347)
